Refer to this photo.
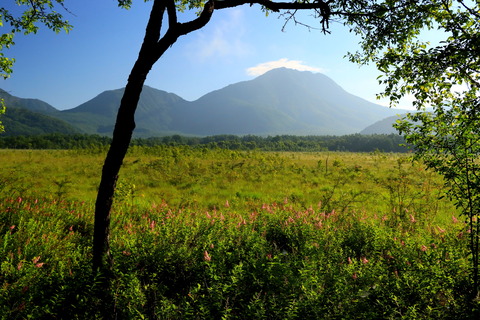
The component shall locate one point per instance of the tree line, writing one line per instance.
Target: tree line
(351, 143)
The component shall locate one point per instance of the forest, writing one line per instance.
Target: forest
(351, 143)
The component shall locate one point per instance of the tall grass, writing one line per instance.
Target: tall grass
(229, 235)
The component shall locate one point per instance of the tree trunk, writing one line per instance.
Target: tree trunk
(122, 136)
(152, 49)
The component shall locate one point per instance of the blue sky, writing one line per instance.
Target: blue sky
(238, 44)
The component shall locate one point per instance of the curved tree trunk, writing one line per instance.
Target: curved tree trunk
(122, 136)
(153, 47)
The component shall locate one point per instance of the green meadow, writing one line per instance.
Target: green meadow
(202, 233)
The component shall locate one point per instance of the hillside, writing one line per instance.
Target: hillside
(34, 105)
(98, 115)
(19, 121)
(281, 101)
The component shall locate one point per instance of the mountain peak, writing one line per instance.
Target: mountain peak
(281, 101)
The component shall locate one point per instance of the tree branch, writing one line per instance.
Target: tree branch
(172, 13)
(202, 20)
(154, 25)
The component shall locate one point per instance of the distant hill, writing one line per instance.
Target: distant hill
(34, 105)
(98, 115)
(19, 121)
(31, 117)
(384, 126)
(281, 101)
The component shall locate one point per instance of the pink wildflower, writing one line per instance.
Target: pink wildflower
(355, 276)
(364, 260)
(412, 219)
(242, 222)
(423, 248)
(227, 205)
(152, 224)
(349, 260)
(36, 259)
(206, 256)
(454, 219)
(19, 266)
(12, 227)
(289, 220)
(39, 265)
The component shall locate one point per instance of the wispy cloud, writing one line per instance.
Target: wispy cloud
(261, 68)
(223, 40)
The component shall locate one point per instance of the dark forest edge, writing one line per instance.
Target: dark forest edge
(350, 143)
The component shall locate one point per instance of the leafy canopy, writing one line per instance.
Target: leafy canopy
(26, 16)
(443, 78)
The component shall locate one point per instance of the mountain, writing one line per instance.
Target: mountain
(281, 101)
(19, 121)
(34, 105)
(384, 126)
(31, 117)
(98, 115)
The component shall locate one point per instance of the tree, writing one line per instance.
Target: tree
(444, 79)
(32, 13)
(2, 111)
(390, 19)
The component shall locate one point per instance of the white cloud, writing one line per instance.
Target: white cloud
(261, 68)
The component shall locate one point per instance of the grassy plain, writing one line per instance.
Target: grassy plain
(220, 234)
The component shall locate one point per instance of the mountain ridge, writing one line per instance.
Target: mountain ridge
(281, 101)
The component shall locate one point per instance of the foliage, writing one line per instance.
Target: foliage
(34, 12)
(350, 143)
(445, 77)
(259, 245)
(2, 112)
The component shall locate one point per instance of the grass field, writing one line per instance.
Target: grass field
(220, 234)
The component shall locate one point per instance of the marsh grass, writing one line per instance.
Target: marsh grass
(218, 234)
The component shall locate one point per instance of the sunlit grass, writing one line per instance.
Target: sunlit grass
(211, 234)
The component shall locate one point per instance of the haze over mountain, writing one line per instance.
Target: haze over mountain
(281, 101)
(384, 126)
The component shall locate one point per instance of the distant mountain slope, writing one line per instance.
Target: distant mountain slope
(98, 115)
(20, 121)
(34, 105)
(281, 101)
(31, 117)
(384, 126)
